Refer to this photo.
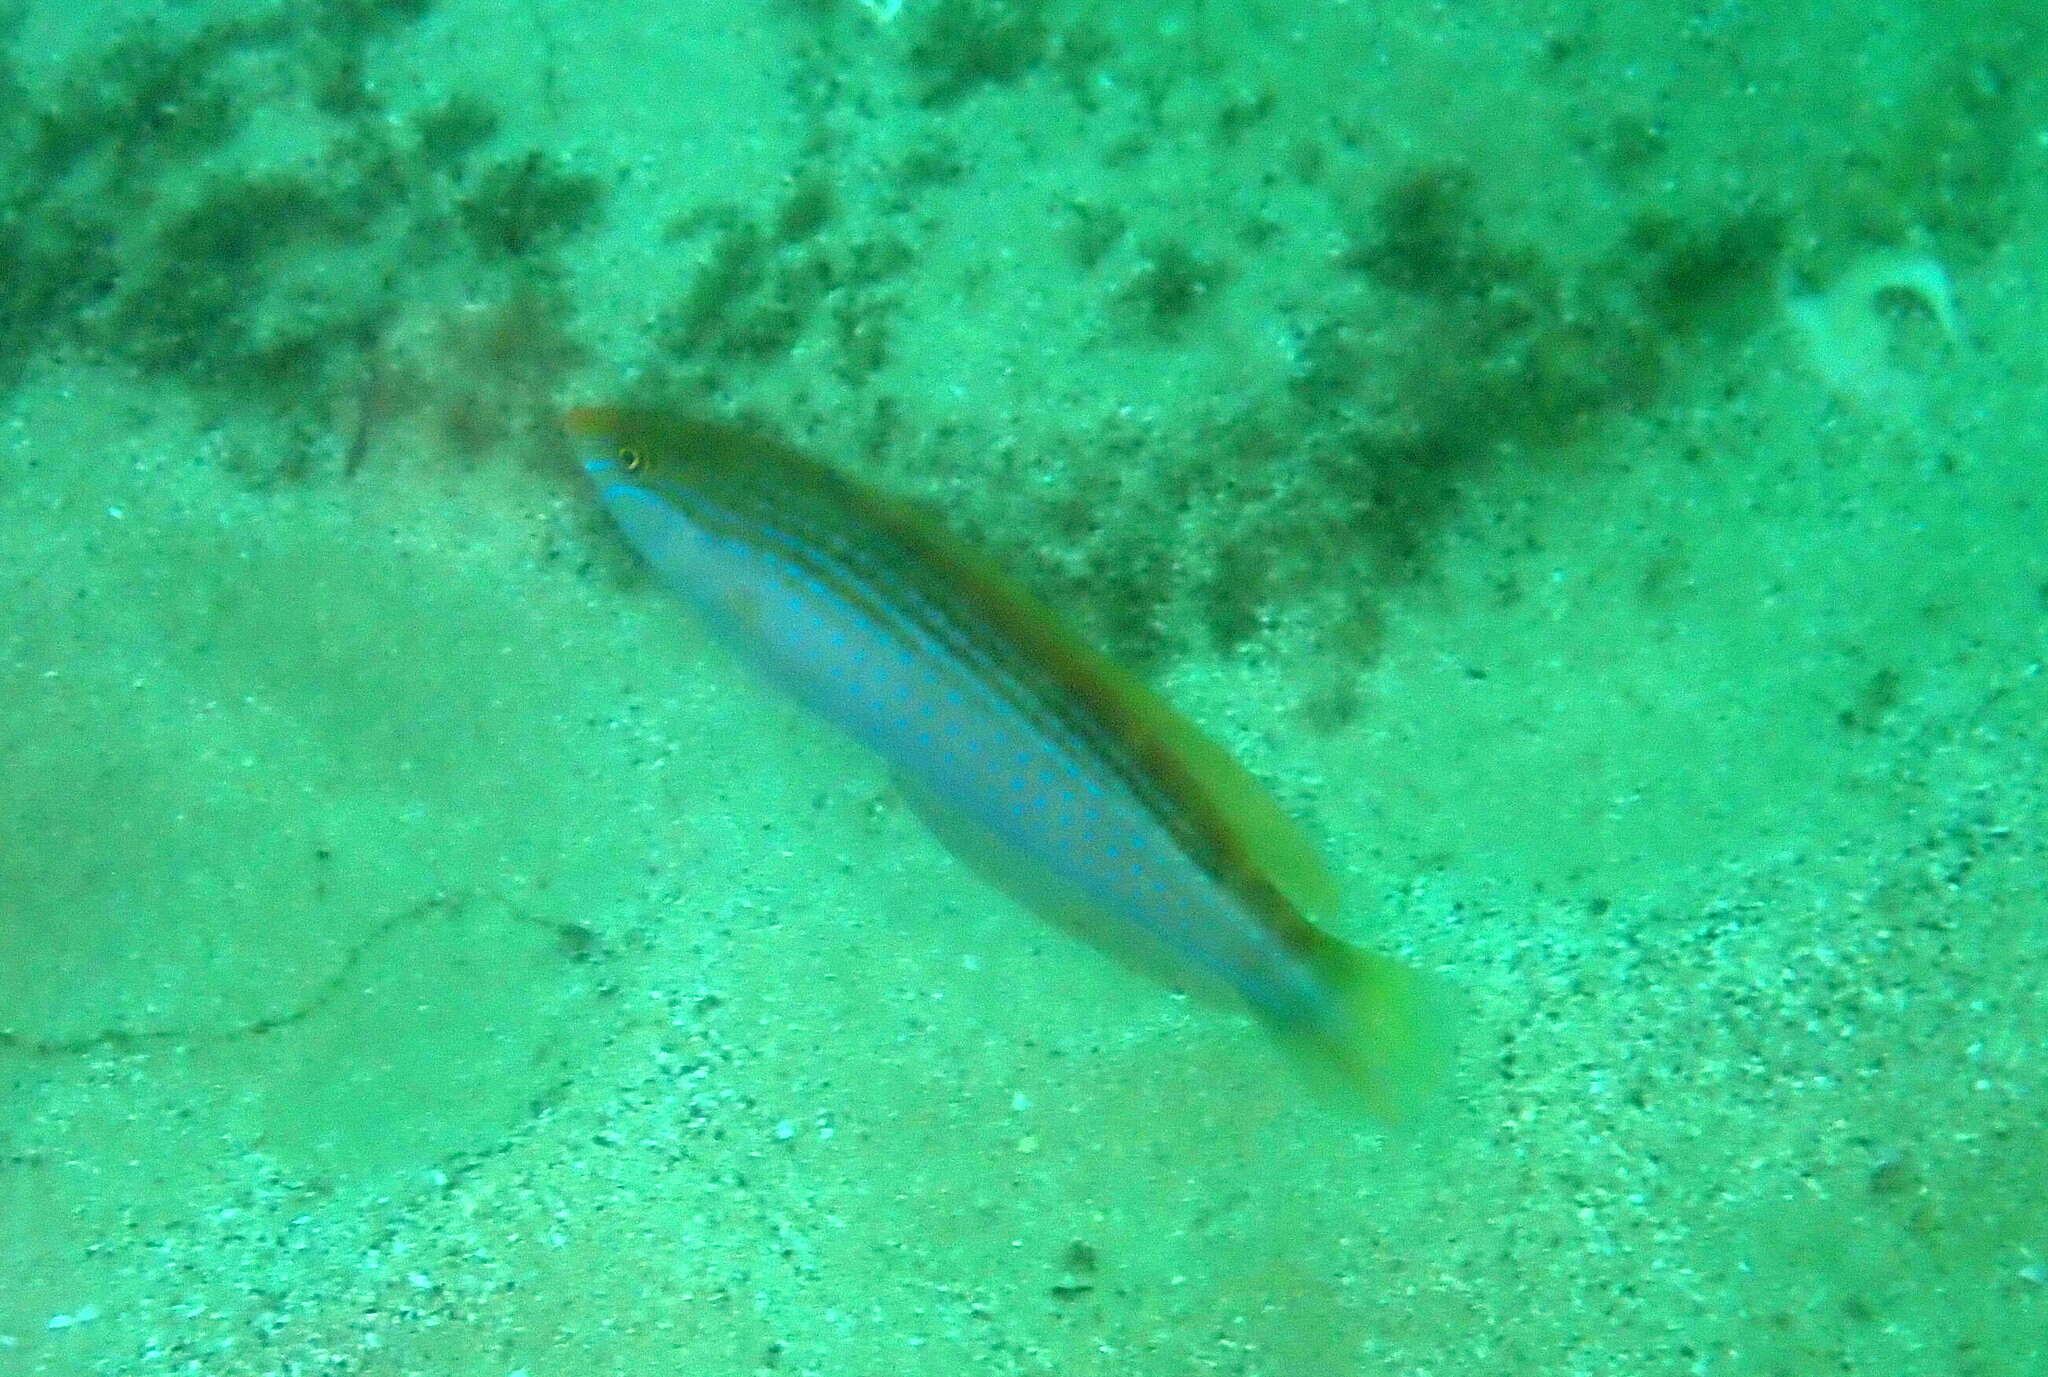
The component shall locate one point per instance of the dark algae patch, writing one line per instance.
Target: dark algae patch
(963, 46)
(765, 282)
(142, 230)
(1170, 287)
(524, 205)
(189, 305)
(1444, 342)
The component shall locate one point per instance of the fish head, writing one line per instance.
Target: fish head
(608, 444)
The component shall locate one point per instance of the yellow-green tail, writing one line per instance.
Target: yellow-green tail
(1383, 1041)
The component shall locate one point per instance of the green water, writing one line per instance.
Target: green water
(1588, 464)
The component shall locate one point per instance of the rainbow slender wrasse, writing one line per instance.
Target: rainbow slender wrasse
(1060, 777)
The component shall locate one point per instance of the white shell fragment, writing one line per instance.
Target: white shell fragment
(1851, 340)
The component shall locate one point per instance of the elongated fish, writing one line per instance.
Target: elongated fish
(1056, 774)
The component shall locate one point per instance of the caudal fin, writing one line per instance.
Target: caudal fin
(1383, 1041)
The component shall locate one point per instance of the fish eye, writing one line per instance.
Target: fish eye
(631, 460)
